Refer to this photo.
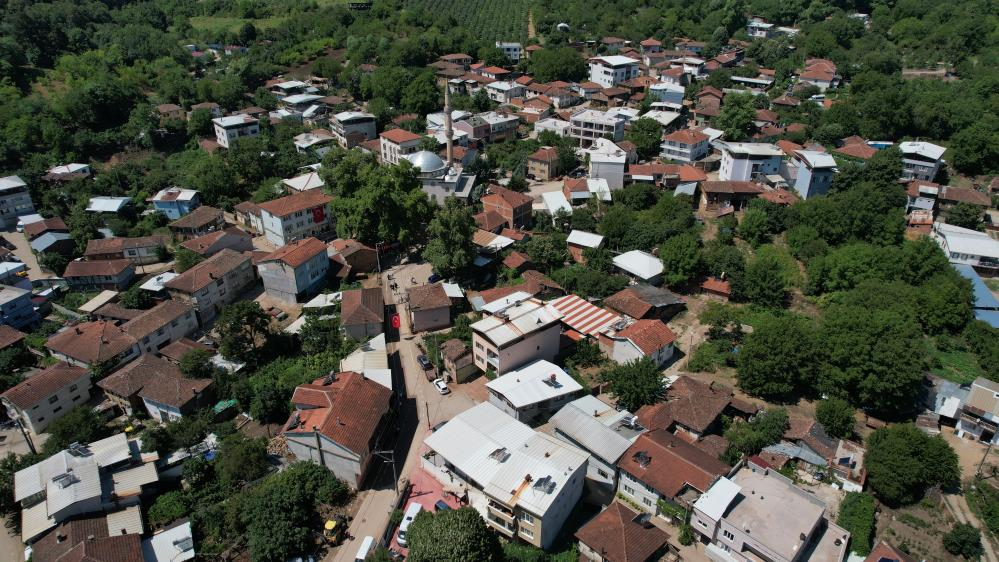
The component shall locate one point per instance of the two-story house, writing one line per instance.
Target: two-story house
(296, 270)
(157, 386)
(515, 207)
(162, 325)
(212, 243)
(686, 145)
(745, 161)
(921, 160)
(513, 51)
(396, 143)
(175, 202)
(47, 395)
(140, 251)
(232, 127)
(16, 308)
(638, 340)
(198, 222)
(14, 200)
(534, 392)
(296, 216)
(516, 334)
(351, 128)
(93, 344)
(810, 172)
(99, 275)
(362, 313)
(213, 283)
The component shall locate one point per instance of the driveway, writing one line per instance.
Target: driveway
(23, 251)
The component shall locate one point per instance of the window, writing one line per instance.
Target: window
(647, 502)
(629, 490)
(57, 410)
(40, 420)
(527, 533)
(602, 473)
(526, 517)
(728, 535)
(75, 398)
(53, 399)
(72, 388)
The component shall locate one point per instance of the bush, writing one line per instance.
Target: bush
(964, 540)
(857, 515)
(168, 507)
(708, 357)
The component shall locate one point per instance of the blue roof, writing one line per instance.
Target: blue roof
(983, 297)
(990, 317)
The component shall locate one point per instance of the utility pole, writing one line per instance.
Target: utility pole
(389, 457)
(427, 406)
(31, 445)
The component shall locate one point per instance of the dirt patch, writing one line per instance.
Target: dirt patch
(919, 527)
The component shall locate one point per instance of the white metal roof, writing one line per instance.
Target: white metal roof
(516, 321)
(298, 99)
(11, 182)
(716, 500)
(37, 477)
(596, 427)
(107, 204)
(324, 300)
(305, 182)
(290, 84)
(752, 148)
(664, 118)
(371, 360)
(157, 283)
(640, 264)
(345, 116)
(924, 149)
(492, 307)
(815, 159)
(498, 452)
(176, 194)
(30, 218)
(966, 241)
(555, 201)
(453, 290)
(616, 60)
(175, 544)
(533, 383)
(127, 521)
(234, 120)
(68, 169)
(599, 187)
(585, 239)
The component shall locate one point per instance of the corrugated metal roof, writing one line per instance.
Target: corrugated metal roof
(537, 382)
(126, 521)
(593, 432)
(582, 316)
(129, 482)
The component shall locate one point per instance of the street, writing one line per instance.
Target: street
(12, 441)
(422, 408)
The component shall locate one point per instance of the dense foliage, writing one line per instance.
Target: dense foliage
(902, 462)
(857, 515)
(452, 534)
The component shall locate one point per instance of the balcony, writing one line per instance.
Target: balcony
(501, 511)
(493, 360)
(509, 529)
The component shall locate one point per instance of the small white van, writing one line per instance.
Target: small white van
(412, 511)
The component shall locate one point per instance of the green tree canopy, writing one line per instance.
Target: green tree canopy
(681, 257)
(647, 134)
(635, 384)
(558, 63)
(243, 327)
(902, 462)
(450, 249)
(452, 535)
(836, 416)
(777, 360)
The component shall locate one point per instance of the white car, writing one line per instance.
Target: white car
(441, 386)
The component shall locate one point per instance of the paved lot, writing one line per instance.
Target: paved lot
(23, 251)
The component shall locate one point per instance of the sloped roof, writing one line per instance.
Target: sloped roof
(43, 384)
(91, 342)
(298, 252)
(731, 187)
(347, 410)
(155, 318)
(489, 220)
(294, 203)
(362, 306)
(428, 297)
(691, 403)
(198, 218)
(119, 244)
(208, 271)
(513, 199)
(9, 336)
(110, 268)
(201, 244)
(674, 464)
(686, 136)
(399, 136)
(583, 316)
(637, 300)
(648, 335)
(618, 537)
(35, 229)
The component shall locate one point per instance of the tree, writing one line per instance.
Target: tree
(754, 227)
(200, 123)
(767, 428)
(241, 460)
(54, 262)
(450, 249)
(836, 416)
(321, 334)
(185, 259)
(168, 507)
(857, 515)
(681, 257)
(10, 464)
(13, 358)
(547, 252)
(197, 364)
(452, 535)
(635, 384)
(563, 63)
(964, 540)
(775, 362)
(902, 462)
(136, 298)
(240, 326)
(79, 425)
(736, 117)
(965, 215)
(421, 95)
(762, 283)
(647, 134)
(270, 405)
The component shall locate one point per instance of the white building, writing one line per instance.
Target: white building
(524, 483)
(638, 340)
(604, 432)
(810, 172)
(667, 92)
(588, 125)
(532, 393)
(513, 51)
(514, 334)
(314, 143)
(966, 246)
(351, 128)
(296, 216)
(607, 161)
(640, 265)
(686, 145)
(396, 143)
(504, 92)
(746, 161)
(612, 70)
(228, 129)
(557, 126)
(304, 182)
(921, 160)
(47, 396)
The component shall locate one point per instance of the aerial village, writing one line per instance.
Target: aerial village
(661, 311)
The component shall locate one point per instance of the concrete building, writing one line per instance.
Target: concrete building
(809, 172)
(439, 180)
(515, 208)
(745, 161)
(156, 386)
(99, 275)
(213, 283)
(620, 534)
(295, 270)
(338, 421)
(758, 514)
(921, 160)
(199, 222)
(16, 308)
(429, 308)
(175, 202)
(47, 395)
(315, 143)
(532, 393)
(142, 250)
(14, 201)
(610, 71)
(685, 146)
(608, 162)
(587, 125)
(966, 246)
(641, 339)
(362, 313)
(296, 216)
(978, 417)
(351, 128)
(228, 129)
(162, 325)
(396, 143)
(88, 344)
(233, 238)
(515, 334)
(724, 194)
(513, 51)
(524, 483)
(543, 164)
(489, 127)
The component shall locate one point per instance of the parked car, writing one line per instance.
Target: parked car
(441, 506)
(441, 386)
(424, 362)
(433, 278)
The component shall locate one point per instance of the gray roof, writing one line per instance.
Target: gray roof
(654, 295)
(602, 435)
(796, 452)
(45, 241)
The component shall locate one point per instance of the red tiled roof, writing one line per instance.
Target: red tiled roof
(780, 196)
(91, 342)
(524, 80)
(650, 42)
(649, 335)
(247, 207)
(201, 244)
(710, 91)
(686, 136)
(583, 316)
(545, 154)
(119, 244)
(512, 198)
(43, 384)
(716, 285)
(9, 336)
(966, 195)
(36, 229)
(692, 404)
(298, 252)
(516, 259)
(208, 271)
(886, 552)
(788, 147)
(575, 185)
(347, 411)
(155, 318)
(489, 220)
(176, 350)
(857, 150)
(117, 548)
(428, 297)
(515, 235)
(691, 173)
(294, 203)
(399, 136)
(494, 70)
(362, 306)
(674, 464)
(767, 115)
(616, 535)
(110, 268)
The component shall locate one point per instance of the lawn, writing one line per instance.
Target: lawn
(218, 24)
(955, 365)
